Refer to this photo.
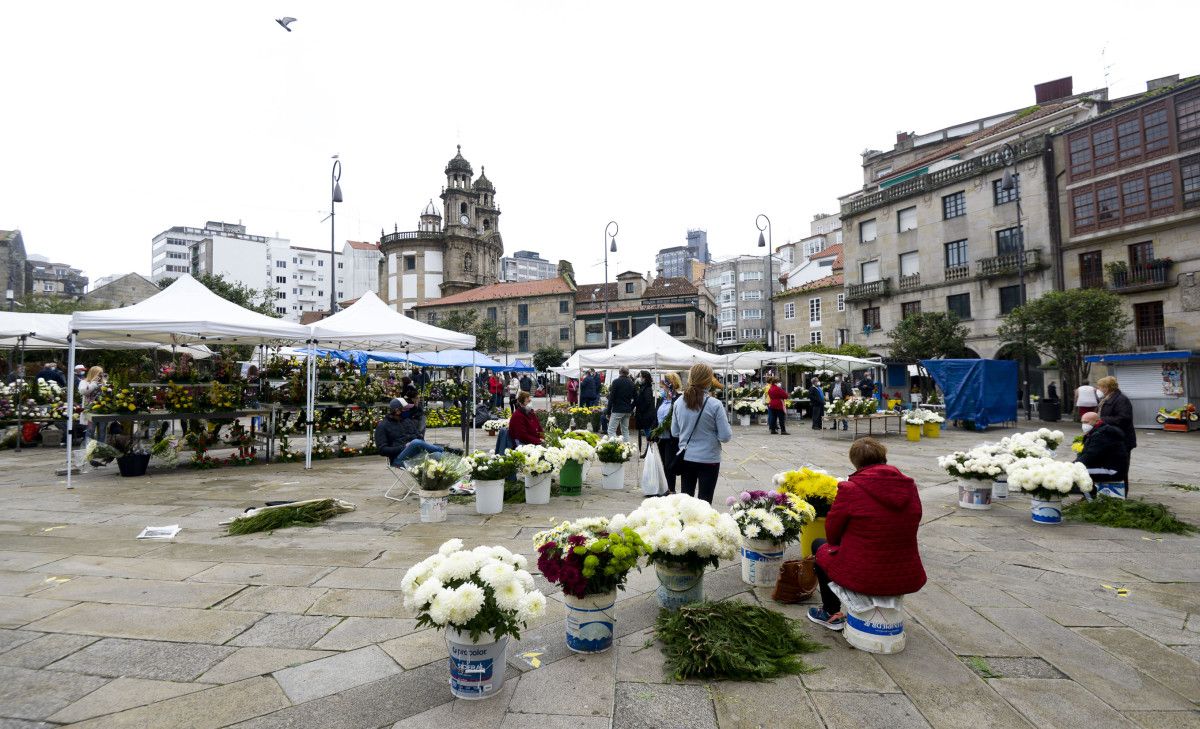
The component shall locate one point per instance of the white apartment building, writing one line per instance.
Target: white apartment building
(527, 266)
(360, 273)
(743, 294)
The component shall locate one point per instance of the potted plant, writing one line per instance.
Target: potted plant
(913, 421)
(480, 597)
(537, 465)
(434, 477)
(747, 407)
(131, 454)
(590, 561)
(493, 427)
(769, 521)
(684, 535)
(975, 470)
(490, 471)
(1047, 481)
(932, 427)
(576, 453)
(816, 487)
(613, 454)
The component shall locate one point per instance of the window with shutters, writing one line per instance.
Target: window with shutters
(906, 219)
(870, 271)
(909, 263)
(1091, 270)
(814, 311)
(870, 318)
(867, 231)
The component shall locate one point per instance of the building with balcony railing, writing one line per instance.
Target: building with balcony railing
(934, 229)
(683, 309)
(1128, 196)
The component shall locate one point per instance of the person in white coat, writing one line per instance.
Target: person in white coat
(1086, 398)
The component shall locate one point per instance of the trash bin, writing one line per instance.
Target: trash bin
(1050, 410)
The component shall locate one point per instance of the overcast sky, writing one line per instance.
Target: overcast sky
(124, 119)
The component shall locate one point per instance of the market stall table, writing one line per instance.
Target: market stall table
(267, 434)
(858, 420)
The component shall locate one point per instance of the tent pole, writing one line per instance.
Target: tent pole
(21, 369)
(474, 396)
(308, 406)
(70, 404)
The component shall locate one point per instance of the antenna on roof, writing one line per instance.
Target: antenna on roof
(1105, 67)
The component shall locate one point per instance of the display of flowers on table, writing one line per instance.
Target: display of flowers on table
(588, 556)
(749, 407)
(493, 427)
(684, 531)
(179, 399)
(112, 400)
(773, 516)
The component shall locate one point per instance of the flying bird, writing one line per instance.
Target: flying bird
(284, 22)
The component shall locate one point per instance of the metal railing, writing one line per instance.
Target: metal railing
(1007, 264)
(1140, 278)
(1150, 338)
(870, 290)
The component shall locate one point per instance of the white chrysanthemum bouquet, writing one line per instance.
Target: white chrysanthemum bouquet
(983, 463)
(577, 450)
(1026, 445)
(492, 427)
(614, 450)
(1045, 479)
(477, 591)
(484, 466)
(683, 531)
(1049, 438)
(437, 473)
(540, 459)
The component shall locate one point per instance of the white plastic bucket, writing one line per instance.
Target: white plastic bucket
(1000, 488)
(1045, 511)
(537, 489)
(877, 630)
(678, 587)
(1112, 489)
(761, 560)
(612, 476)
(590, 622)
(476, 667)
(744, 421)
(974, 494)
(489, 496)
(433, 505)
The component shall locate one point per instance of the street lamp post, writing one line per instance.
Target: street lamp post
(769, 244)
(1011, 183)
(335, 197)
(607, 247)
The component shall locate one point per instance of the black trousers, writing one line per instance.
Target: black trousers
(777, 420)
(667, 447)
(703, 475)
(829, 601)
(818, 412)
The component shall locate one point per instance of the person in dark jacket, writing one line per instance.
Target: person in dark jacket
(816, 400)
(621, 394)
(589, 390)
(50, 373)
(1104, 448)
(645, 412)
(524, 426)
(398, 435)
(527, 384)
(1116, 410)
(866, 386)
(871, 535)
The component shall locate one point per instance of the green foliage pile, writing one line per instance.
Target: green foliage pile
(1128, 514)
(282, 517)
(732, 640)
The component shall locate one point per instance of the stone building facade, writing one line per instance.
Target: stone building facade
(122, 291)
(447, 256)
(683, 309)
(933, 228)
(12, 262)
(530, 314)
(1128, 198)
(814, 312)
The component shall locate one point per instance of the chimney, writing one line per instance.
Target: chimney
(1049, 91)
(1155, 84)
(904, 140)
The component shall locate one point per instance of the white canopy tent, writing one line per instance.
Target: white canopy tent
(569, 368)
(50, 331)
(652, 348)
(186, 312)
(835, 362)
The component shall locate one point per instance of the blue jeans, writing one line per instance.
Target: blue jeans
(618, 419)
(414, 448)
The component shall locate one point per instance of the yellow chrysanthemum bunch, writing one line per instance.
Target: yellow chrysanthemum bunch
(807, 484)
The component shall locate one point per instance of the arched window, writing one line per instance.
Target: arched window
(462, 209)
(487, 224)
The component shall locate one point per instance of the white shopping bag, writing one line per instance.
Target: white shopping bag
(654, 477)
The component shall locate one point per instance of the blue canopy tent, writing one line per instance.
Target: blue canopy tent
(983, 391)
(520, 366)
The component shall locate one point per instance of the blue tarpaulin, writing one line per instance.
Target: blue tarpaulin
(983, 391)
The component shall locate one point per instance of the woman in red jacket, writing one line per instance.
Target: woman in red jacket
(524, 426)
(776, 406)
(871, 535)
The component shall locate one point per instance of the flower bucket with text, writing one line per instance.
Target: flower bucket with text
(744, 421)
(1112, 489)
(761, 560)
(537, 489)
(678, 586)
(1045, 511)
(591, 622)
(876, 629)
(1000, 488)
(974, 493)
(476, 667)
(489, 496)
(433, 506)
(613, 453)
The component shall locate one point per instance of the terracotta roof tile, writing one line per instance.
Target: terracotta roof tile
(505, 290)
(836, 279)
(833, 250)
(671, 286)
(583, 294)
(362, 245)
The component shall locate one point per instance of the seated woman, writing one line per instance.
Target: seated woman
(1104, 452)
(524, 427)
(871, 535)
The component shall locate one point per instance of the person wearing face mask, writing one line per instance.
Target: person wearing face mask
(1116, 410)
(1104, 450)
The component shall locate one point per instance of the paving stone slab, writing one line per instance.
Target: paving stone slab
(159, 660)
(1019, 668)
(20, 584)
(121, 694)
(550, 689)
(1171, 669)
(867, 711)
(16, 612)
(275, 599)
(150, 568)
(960, 628)
(267, 555)
(161, 593)
(28, 694)
(947, 693)
(463, 714)
(1069, 615)
(249, 662)
(335, 674)
(1058, 703)
(286, 631)
(843, 667)
(262, 574)
(45, 650)
(18, 560)
(1165, 719)
(546, 645)
(10, 638)
(354, 633)
(361, 603)
(553, 721)
(363, 578)
(208, 709)
(6, 723)
(1086, 663)
(420, 648)
(662, 706)
(149, 623)
(742, 705)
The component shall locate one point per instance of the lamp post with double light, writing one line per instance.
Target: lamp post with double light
(1012, 185)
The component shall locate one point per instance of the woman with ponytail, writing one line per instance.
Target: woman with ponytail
(700, 424)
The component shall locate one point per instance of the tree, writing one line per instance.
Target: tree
(547, 357)
(754, 345)
(32, 304)
(486, 331)
(846, 350)
(1067, 326)
(928, 335)
(239, 293)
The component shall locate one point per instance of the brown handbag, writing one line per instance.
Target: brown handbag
(797, 581)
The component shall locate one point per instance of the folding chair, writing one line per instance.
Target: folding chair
(398, 475)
